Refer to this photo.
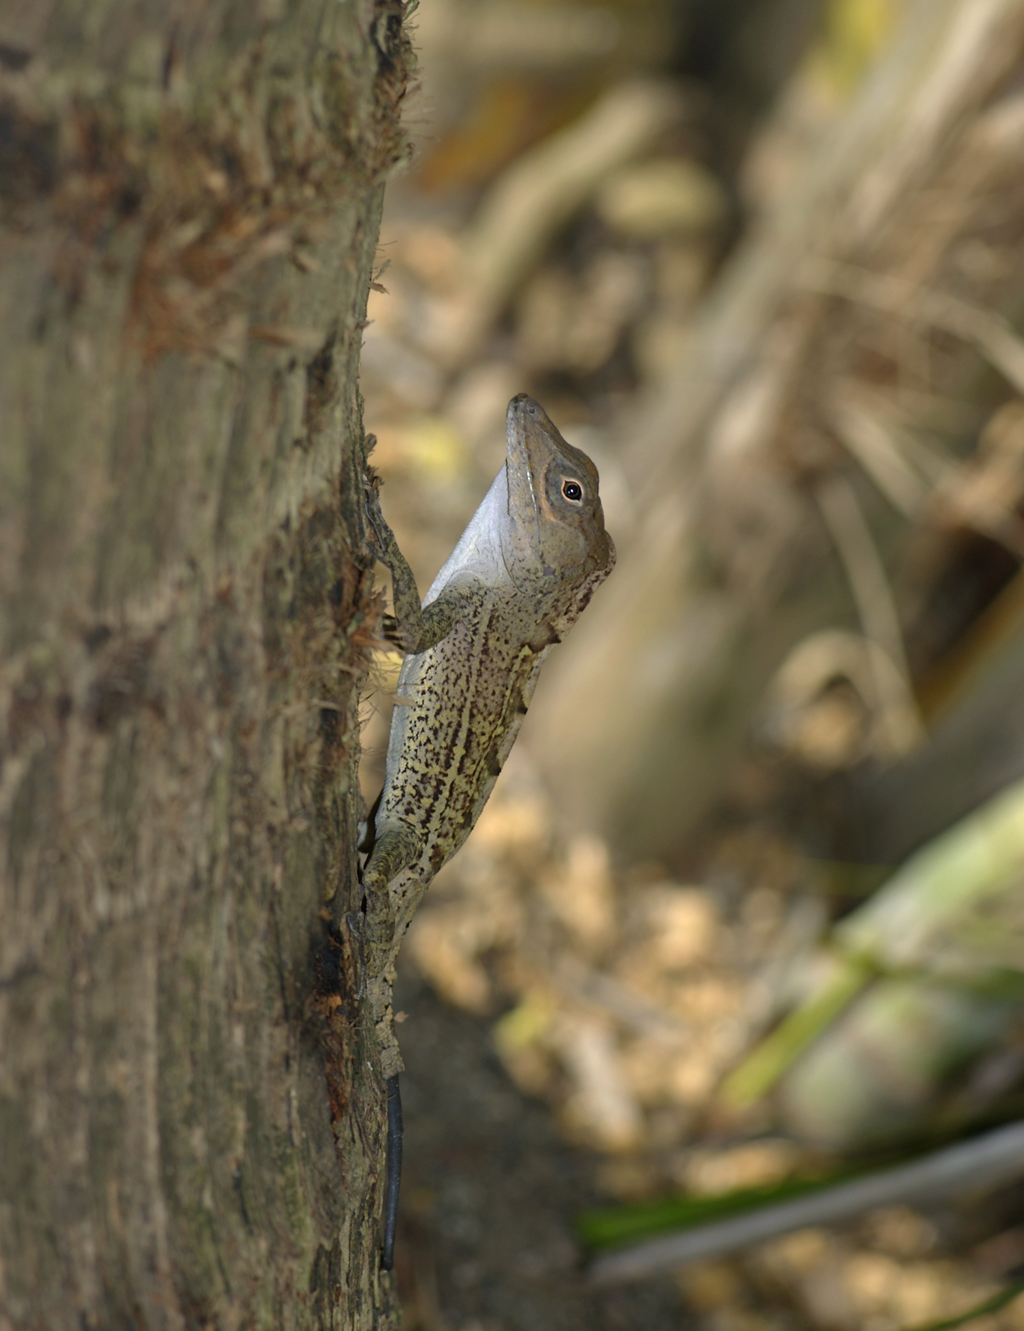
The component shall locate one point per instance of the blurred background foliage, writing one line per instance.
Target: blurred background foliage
(745, 907)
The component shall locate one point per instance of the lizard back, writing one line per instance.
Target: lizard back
(459, 708)
(521, 574)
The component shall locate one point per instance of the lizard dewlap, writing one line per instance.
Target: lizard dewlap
(519, 578)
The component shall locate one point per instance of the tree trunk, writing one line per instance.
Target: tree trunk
(190, 1119)
(885, 283)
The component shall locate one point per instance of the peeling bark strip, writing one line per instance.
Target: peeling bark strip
(190, 1129)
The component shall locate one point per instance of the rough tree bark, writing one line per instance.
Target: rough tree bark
(190, 1120)
(875, 306)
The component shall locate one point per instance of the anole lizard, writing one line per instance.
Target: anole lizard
(518, 579)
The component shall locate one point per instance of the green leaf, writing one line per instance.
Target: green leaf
(609, 1227)
(767, 1062)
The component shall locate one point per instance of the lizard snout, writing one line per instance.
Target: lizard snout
(522, 403)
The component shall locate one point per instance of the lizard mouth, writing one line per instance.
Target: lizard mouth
(524, 421)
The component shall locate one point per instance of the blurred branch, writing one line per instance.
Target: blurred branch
(618, 1000)
(920, 917)
(994, 1159)
(990, 332)
(874, 443)
(726, 573)
(876, 608)
(543, 188)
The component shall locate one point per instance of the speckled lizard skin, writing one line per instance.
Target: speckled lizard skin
(518, 579)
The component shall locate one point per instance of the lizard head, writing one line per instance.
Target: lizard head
(556, 530)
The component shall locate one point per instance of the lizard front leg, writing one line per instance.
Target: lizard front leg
(419, 627)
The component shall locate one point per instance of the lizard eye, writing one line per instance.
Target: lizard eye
(572, 491)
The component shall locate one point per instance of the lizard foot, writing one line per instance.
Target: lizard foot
(391, 630)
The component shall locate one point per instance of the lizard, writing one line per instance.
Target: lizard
(521, 574)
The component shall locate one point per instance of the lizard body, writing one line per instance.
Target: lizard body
(518, 579)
